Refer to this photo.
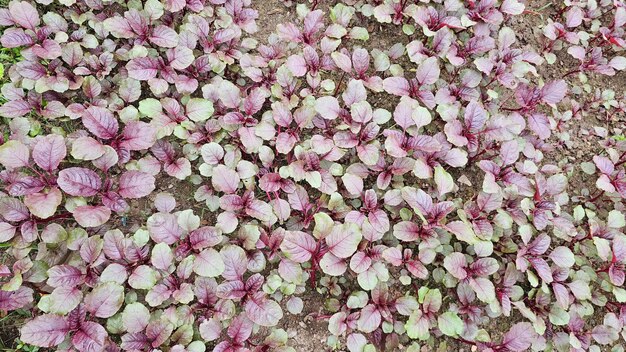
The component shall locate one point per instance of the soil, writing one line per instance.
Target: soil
(306, 331)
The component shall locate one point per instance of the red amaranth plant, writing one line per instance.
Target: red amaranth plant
(171, 180)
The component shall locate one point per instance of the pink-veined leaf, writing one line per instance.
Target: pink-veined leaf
(44, 205)
(49, 151)
(225, 179)
(79, 181)
(138, 135)
(105, 299)
(456, 264)
(101, 122)
(15, 299)
(90, 337)
(262, 310)
(46, 330)
(136, 184)
(343, 240)
(14, 154)
(65, 275)
(91, 216)
(24, 14)
(370, 319)
(298, 246)
(519, 337)
(406, 231)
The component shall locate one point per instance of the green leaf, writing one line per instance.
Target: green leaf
(450, 324)
(135, 317)
(208, 263)
(432, 300)
(143, 278)
(417, 327)
(199, 109)
(443, 180)
(558, 316)
(359, 33)
(150, 107)
(616, 219)
(323, 225)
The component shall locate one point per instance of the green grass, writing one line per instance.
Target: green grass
(8, 57)
(9, 324)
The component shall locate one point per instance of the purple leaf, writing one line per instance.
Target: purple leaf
(65, 275)
(554, 92)
(15, 299)
(138, 135)
(225, 179)
(7, 231)
(370, 319)
(604, 334)
(540, 124)
(87, 148)
(105, 299)
(47, 330)
(428, 71)
(14, 108)
(164, 228)
(397, 86)
(263, 311)
(44, 205)
(136, 184)
(49, 151)
(90, 337)
(78, 181)
(210, 329)
(327, 107)
(406, 231)
(49, 49)
(343, 240)
(456, 265)
(298, 246)
(519, 337)
(235, 262)
(24, 14)
(143, 68)
(164, 36)
(14, 154)
(297, 65)
(101, 122)
(240, 329)
(12, 209)
(512, 7)
(91, 216)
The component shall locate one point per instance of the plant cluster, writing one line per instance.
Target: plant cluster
(419, 186)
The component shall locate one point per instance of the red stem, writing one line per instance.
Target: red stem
(571, 72)
(510, 109)
(596, 197)
(339, 84)
(61, 216)
(621, 159)
(460, 339)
